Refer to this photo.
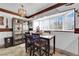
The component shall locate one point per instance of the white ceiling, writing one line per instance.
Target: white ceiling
(31, 8)
(57, 10)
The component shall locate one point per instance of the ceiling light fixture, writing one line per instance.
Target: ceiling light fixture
(22, 11)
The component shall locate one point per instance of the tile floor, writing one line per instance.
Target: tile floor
(18, 50)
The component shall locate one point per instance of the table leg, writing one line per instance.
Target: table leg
(48, 47)
(54, 45)
(26, 44)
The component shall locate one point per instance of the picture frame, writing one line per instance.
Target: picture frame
(1, 20)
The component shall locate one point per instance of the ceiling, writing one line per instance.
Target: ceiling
(31, 8)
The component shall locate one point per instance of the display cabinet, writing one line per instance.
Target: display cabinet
(19, 28)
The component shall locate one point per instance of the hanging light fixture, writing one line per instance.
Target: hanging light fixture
(22, 11)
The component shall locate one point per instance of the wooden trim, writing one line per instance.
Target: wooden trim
(77, 30)
(40, 12)
(47, 9)
(5, 30)
(10, 12)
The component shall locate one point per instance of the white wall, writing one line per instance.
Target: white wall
(2, 35)
(5, 34)
(67, 41)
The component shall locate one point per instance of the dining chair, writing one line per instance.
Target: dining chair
(27, 40)
(39, 45)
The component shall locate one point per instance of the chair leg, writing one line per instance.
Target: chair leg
(40, 51)
(30, 51)
(33, 51)
(45, 51)
(48, 52)
(26, 47)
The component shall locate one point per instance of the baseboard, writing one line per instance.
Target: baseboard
(65, 52)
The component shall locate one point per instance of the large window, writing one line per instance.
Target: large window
(56, 23)
(69, 20)
(63, 21)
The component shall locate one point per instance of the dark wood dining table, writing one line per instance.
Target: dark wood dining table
(48, 38)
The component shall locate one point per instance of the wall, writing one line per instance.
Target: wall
(67, 41)
(5, 34)
(2, 35)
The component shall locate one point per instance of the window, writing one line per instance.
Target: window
(62, 21)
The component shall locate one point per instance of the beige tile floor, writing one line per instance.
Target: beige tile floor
(18, 50)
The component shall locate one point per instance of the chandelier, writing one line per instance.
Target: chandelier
(22, 11)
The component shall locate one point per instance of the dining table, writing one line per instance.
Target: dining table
(48, 38)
